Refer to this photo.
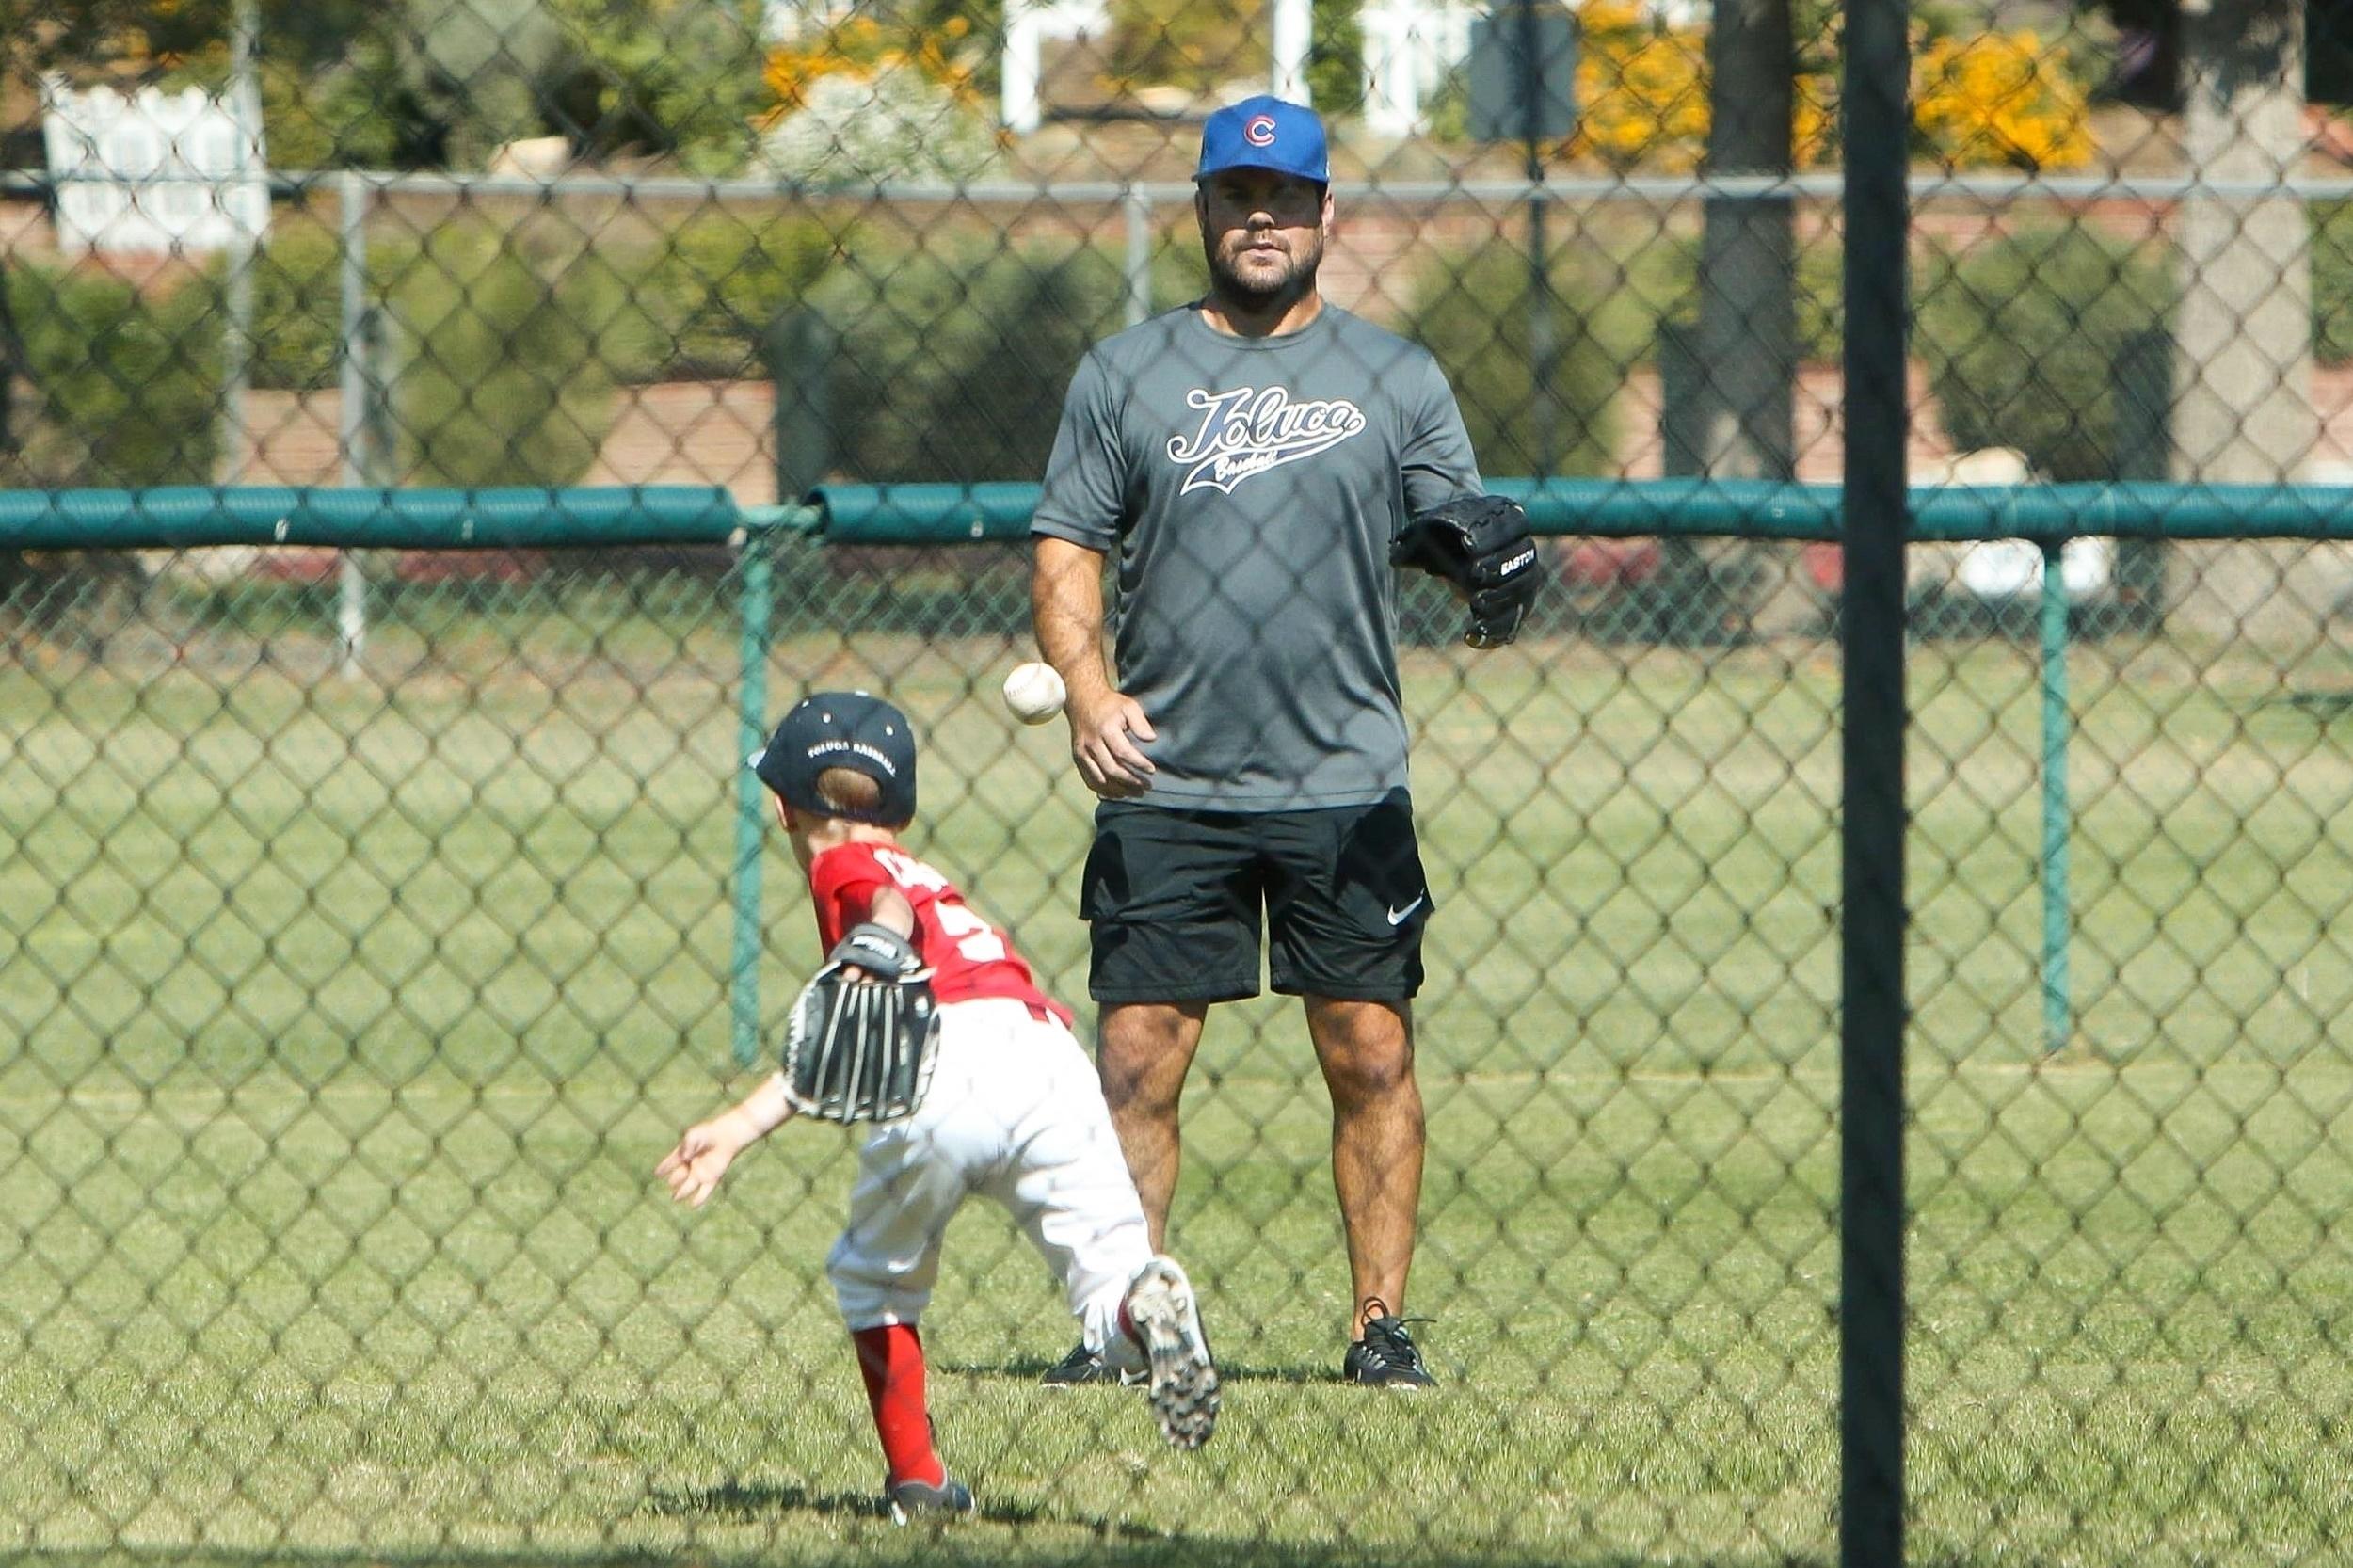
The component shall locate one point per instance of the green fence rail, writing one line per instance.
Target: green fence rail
(1700, 508)
(187, 517)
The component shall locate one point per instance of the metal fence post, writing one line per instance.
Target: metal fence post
(2057, 1005)
(1687, 604)
(755, 558)
(351, 597)
(1543, 352)
(236, 445)
(1135, 205)
(801, 346)
(1874, 729)
(800, 349)
(2144, 450)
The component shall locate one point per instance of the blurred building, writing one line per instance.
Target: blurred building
(153, 171)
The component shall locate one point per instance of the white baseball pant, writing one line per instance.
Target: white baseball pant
(1014, 1111)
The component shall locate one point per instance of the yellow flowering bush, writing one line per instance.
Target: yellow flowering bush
(2000, 100)
(864, 47)
(1813, 121)
(1989, 100)
(1642, 88)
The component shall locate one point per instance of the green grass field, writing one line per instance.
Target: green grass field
(344, 1025)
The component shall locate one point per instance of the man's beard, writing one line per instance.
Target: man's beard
(1298, 278)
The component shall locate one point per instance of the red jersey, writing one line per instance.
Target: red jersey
(968, 956)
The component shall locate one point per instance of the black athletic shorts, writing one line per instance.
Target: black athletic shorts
(1174, 898)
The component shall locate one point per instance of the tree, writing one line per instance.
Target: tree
(487, 69)
(1746, 346)
(2243, 366)
(2245, 370)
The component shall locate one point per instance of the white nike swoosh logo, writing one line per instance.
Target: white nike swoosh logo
(1396, 915)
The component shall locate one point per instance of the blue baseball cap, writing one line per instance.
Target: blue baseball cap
(842, 729)
(1265, 133)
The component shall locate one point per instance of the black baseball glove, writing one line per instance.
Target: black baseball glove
(859, 1045)
(1481, 544)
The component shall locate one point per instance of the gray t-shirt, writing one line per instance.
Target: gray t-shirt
(1250, 488)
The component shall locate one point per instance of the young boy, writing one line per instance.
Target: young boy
(1014, 1110)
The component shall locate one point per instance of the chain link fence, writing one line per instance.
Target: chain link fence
(372, 920)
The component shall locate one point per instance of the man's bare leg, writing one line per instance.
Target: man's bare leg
(1367, 1052)
(1146, 1049)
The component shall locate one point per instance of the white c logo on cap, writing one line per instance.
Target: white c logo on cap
(1260, 130)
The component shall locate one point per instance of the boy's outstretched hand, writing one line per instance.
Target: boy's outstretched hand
(706, 1149)
(703, 1154)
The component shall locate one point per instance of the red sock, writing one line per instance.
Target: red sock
(891, 1359)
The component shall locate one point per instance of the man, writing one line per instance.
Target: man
(1250, 458)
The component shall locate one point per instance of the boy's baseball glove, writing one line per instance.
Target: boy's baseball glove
(860, 1042)
(1481, 544)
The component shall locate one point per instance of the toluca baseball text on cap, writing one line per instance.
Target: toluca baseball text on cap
(842, 729)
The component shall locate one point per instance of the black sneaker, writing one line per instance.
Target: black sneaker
(915, 1499)
(1386, 1356)
(1083, 1366)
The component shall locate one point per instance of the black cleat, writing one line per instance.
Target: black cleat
(913, 1499)
(1386, 1357)
(1082, 1365)
(1165, 1322)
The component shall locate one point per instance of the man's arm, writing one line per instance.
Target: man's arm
(1066, 613)
(1437, 461)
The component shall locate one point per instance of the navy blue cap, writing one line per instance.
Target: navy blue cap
(842, 729)
(1265, 133)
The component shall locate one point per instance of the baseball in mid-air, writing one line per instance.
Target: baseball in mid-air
(1034, 692)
